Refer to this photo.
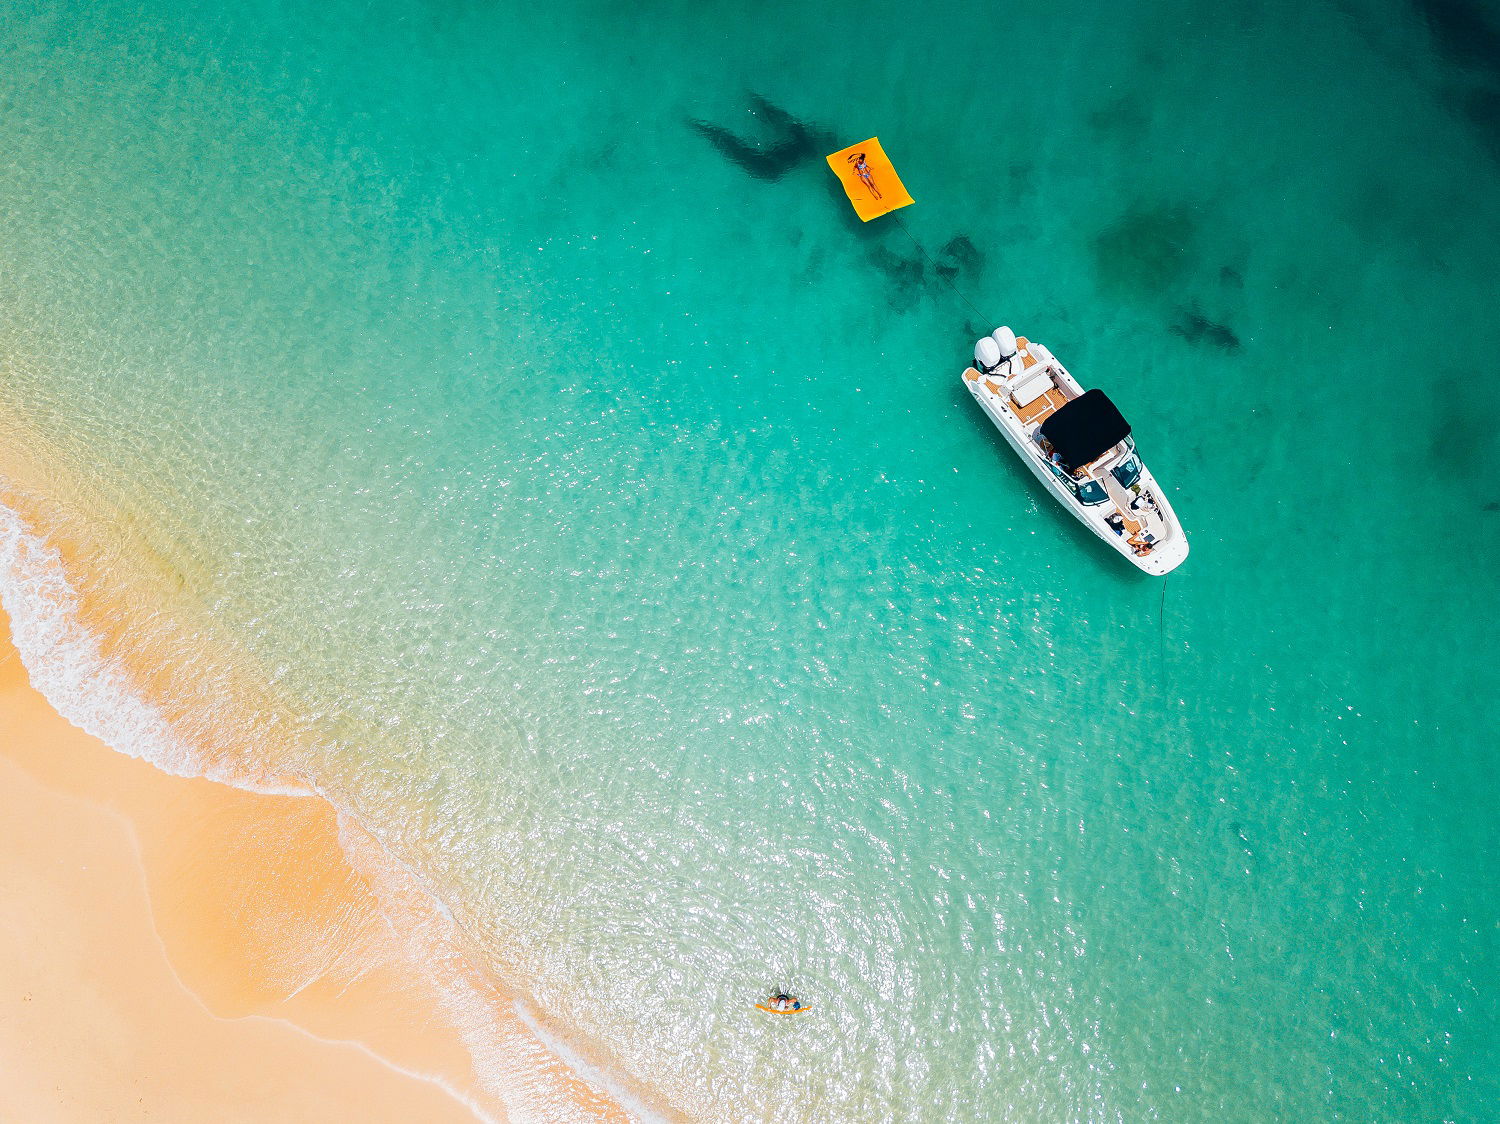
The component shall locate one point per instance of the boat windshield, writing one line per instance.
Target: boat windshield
(1127, 473)
(1091, 492)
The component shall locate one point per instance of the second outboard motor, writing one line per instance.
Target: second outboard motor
(987, 355)
(1005, 340)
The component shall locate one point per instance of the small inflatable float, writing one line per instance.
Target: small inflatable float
(797, 1009)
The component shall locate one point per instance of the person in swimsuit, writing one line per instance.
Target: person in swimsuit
(862, 170)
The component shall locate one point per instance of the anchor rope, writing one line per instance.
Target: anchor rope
(1161, 634)
(946, 280)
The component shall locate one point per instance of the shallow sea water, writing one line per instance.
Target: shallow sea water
(518, 386)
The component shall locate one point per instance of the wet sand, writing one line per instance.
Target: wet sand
(184, 948)
(159, 940)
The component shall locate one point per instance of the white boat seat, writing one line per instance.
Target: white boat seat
(1029, 390)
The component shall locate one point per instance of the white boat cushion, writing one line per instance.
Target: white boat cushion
(1029, 390)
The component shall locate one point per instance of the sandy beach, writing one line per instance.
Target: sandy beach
(181, 948)
(142, 976)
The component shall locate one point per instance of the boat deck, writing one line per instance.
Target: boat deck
(1035, 411)
(1140, 529)
(1038, 411)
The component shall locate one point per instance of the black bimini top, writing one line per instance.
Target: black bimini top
(1085, 429)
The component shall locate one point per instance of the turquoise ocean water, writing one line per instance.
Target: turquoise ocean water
(518, 386)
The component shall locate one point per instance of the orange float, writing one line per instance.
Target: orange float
(869, 179)
(797, 1010)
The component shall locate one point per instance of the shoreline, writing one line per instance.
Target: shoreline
(220, 953)
(118, 997)
(268, 901)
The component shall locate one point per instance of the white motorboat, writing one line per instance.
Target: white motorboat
(1079, 446)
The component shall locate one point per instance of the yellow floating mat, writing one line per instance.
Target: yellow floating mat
(782, 1010)
(869, 180)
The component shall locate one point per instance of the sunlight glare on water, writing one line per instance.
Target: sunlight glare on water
(519, 387)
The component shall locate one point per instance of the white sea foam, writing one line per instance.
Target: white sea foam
(511, 1061)
(581, 1065)
(64, 659)
(511, 1053)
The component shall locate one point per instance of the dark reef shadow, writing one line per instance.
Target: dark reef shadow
(907, 270)
(791, 143)
(1465, 36)
(1196, 328)
(1482, 108)
(906, 274)
(959, 257)
(1148, 249)
(1124, 117)
(1463, 422)
(1462, 33)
